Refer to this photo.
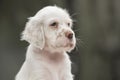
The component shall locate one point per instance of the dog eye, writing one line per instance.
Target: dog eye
(68, 24)
(54, 24)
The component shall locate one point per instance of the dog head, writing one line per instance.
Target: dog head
(51, 28)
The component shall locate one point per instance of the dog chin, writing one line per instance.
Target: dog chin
(68, 47)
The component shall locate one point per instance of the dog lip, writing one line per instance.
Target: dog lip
(69, 45)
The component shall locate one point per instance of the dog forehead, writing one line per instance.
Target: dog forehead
(52, 11)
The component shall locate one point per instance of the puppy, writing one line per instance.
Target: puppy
(50, 36)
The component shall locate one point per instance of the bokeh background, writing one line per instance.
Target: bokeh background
(97, 28)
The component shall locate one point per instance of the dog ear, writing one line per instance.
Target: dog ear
(34, 33)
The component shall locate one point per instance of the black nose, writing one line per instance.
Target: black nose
(70, 35)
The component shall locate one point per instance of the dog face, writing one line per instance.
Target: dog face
(50, 27)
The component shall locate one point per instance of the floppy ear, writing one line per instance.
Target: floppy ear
(34, 33)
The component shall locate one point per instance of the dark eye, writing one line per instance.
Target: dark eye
(54, 24)
(68, 24)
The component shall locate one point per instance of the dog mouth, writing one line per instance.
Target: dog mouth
(63, 44)
(69, 45)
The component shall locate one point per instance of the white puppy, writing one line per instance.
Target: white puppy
(50, 36)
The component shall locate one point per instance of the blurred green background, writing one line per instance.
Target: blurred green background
(97, 28)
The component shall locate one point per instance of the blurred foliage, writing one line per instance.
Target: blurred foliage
(97, 28)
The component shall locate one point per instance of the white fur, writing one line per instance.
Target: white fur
(46, 57)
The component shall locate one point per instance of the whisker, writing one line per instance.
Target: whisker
(76, 30)
(81, 43)
(74, 14)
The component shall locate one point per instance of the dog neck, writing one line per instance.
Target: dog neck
(45, 54)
